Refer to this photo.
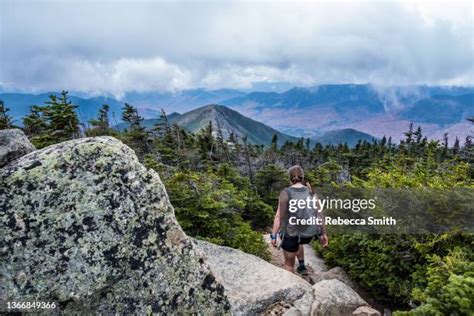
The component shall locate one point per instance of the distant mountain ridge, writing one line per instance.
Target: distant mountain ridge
(229, 121)
(308, 112)
(374, 110)
(320, 95)
(181, 101)
(441, 109)
(358, 98)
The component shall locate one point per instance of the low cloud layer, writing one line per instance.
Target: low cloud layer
(113, 47)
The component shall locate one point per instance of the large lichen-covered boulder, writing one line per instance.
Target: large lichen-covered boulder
(335, 298)
(13, 144)
(84, 224)
(254, 286)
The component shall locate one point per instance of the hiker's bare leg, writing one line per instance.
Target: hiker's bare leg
(300, 253)
(289, 260)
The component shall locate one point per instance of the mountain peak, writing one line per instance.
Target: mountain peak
(212, 106)
(230, 121)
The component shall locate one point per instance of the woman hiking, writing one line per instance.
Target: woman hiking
(287, 221)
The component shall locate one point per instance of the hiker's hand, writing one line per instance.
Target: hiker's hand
(274, 242)
(274, 239)
(323, 239)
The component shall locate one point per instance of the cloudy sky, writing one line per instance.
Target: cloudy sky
(111, 47)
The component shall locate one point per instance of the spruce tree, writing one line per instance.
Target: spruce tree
(62, 118)
(130, 115)
(456, 146)
(206, 143)
(5, 119)
(101, 126)
(52, 123)
(168, 140)
(135, 135)
(248, 160)
(274, 143)
(35, 123)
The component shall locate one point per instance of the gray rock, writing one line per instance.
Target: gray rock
(13, 145)
(253, 285)
(334, 273)
(334, 298)
(366, 311)
(85, 224)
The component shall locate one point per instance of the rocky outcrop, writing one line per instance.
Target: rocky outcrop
(365, 311)
(334, 298)
(334, 273)
(253, 285)
(83, 223)
(13, 145)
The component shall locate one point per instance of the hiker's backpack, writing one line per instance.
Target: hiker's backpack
(302, 231)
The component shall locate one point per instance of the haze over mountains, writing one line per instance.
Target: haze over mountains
(312, 111)
(226, 121)
(309, 112)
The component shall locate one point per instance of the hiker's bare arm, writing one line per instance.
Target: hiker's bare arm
(276, 222)
(276, 226)
(282, 205)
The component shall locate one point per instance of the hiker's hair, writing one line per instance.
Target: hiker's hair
(296, 174)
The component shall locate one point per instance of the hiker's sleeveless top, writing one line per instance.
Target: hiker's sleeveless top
(306, 213)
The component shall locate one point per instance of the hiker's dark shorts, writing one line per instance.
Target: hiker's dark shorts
(291, 244)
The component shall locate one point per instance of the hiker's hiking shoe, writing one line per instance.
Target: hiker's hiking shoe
(302, 270)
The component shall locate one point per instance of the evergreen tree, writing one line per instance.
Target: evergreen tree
(162, 126)
(62, 118)
(52, 123)
(206, 143)
(456, 146)
(271, 153)
(418, 135)
(101, 125)
(171, 141)
(130, 115)
(409, 134)
(445, 141)
(231, 138)
(247, 157)
(223, 148)
(135, 135)
(269, 181)
(234, 147)
(467, 152)
(5, 119)
(274, 143)
(35, 123)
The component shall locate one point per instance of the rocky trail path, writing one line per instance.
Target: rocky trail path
(314, 263)
(317, 271)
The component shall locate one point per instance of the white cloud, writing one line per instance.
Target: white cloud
(113, 47)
